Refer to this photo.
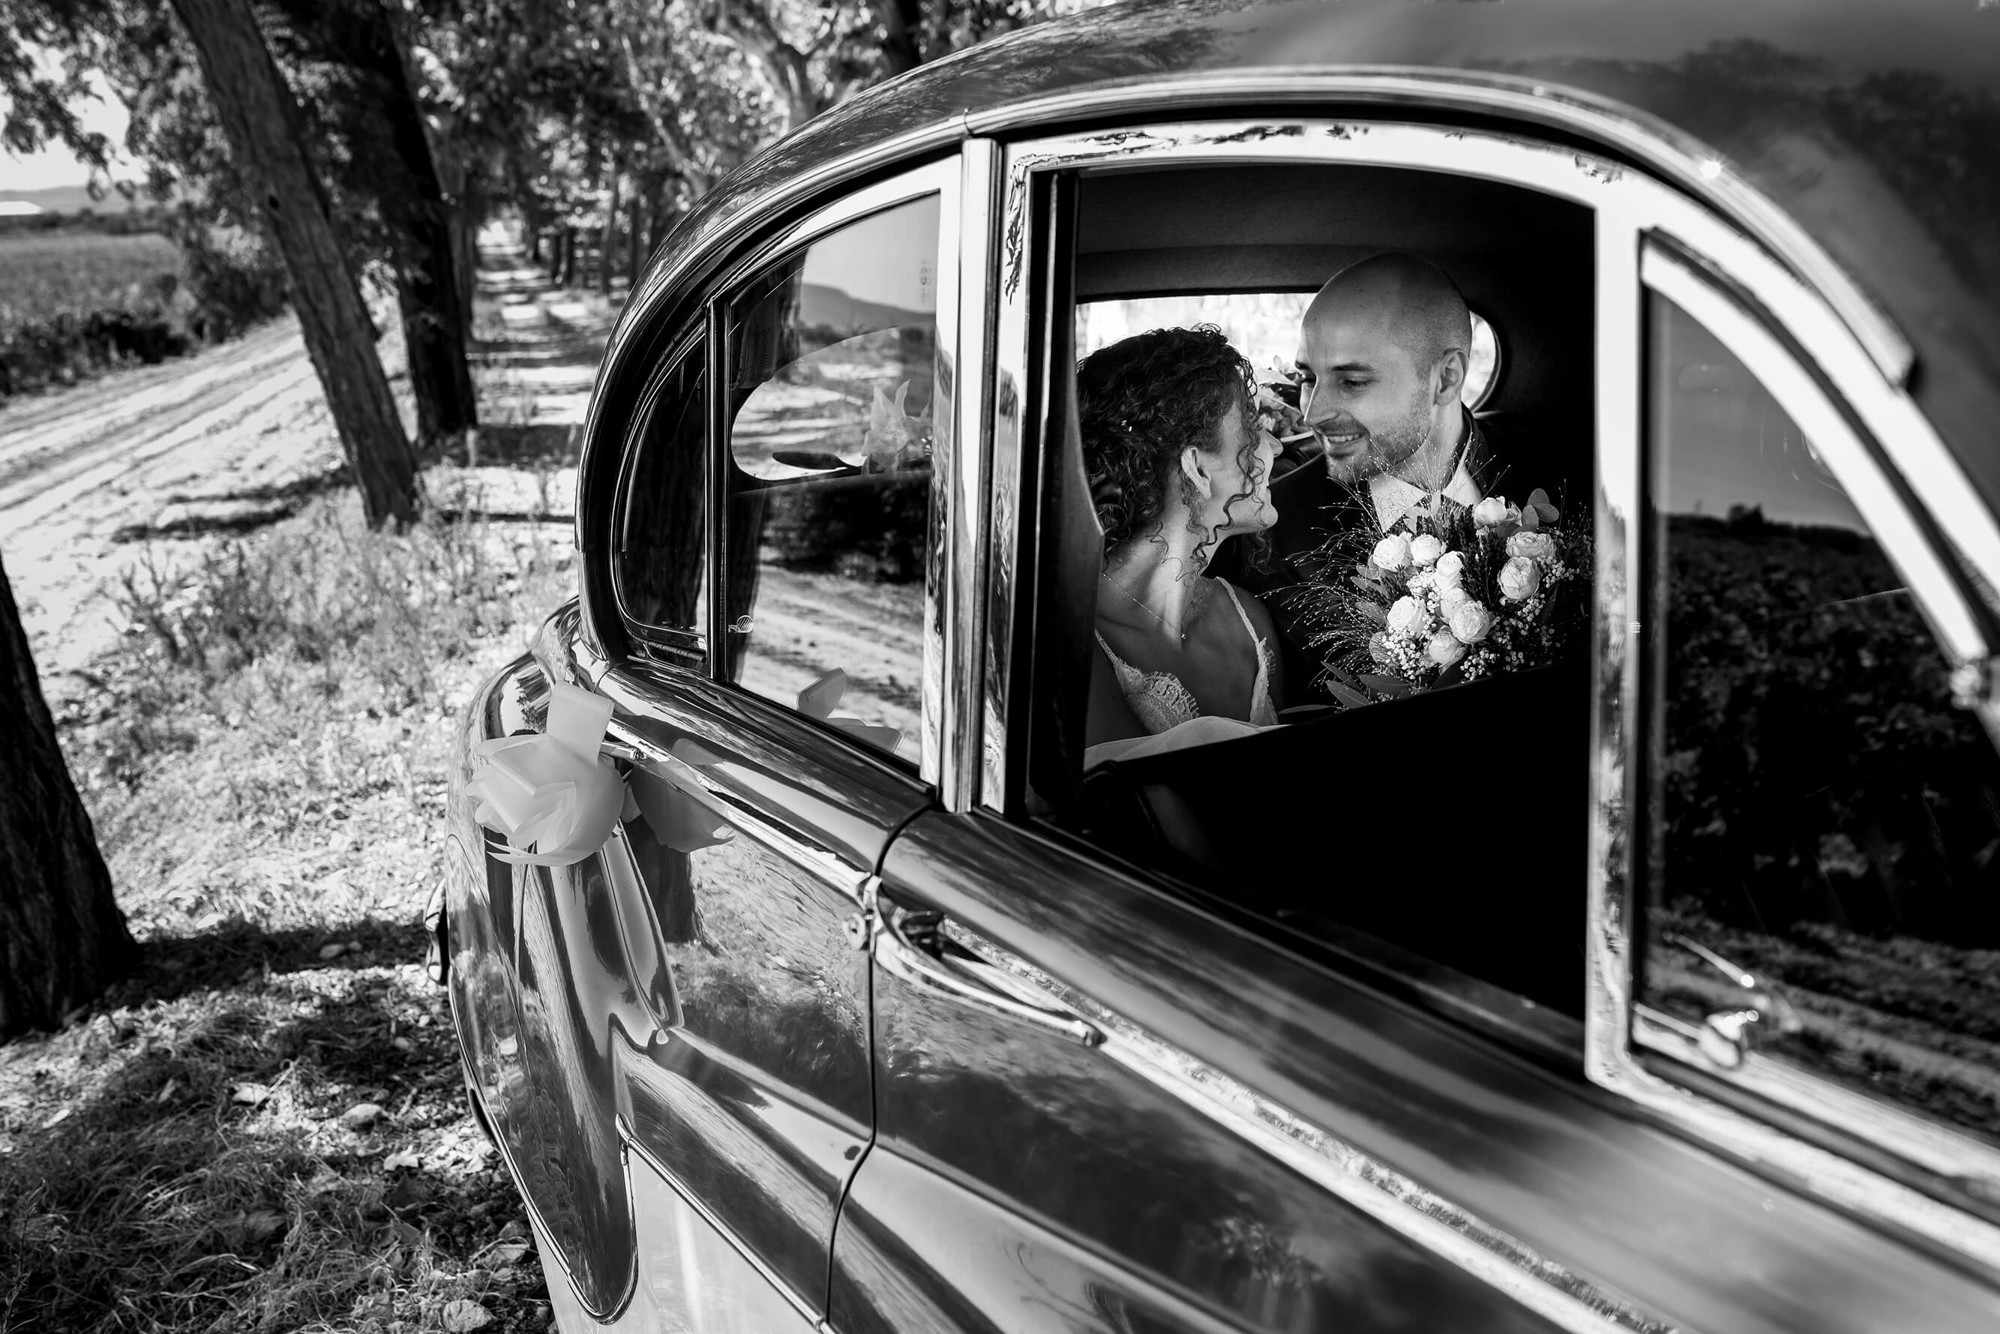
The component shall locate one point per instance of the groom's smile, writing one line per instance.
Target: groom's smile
(1376, 384)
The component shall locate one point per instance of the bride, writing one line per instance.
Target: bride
(1177, 463)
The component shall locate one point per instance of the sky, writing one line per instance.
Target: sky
(54, 166)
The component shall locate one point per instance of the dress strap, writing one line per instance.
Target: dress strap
(1263, 710)
(1241, 614)
(1128, 676)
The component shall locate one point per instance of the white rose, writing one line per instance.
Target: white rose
(1406, 617)
(1452, 598)
(1470, 621)
(1535, 546)
(1519, 578)
(1445, 648)
(1450, 568)
(1425, 549)
(1391, 553)
(1494, 510)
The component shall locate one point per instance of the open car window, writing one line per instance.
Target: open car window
(1328, 828)
(827, 480)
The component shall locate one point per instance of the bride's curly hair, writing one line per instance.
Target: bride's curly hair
(1140, 402)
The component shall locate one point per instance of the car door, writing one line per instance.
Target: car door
(1045, 1158)
(768, 775)
(1115, 1091)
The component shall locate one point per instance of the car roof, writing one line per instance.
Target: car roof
(1871, 123)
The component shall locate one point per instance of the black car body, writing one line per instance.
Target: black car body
(1656, 992)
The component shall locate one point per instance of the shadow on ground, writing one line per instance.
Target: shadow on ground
(237, 512)
(530, 445)
(269, 1154)
(233, 953)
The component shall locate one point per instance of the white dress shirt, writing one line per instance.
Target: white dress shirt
(1393, 497)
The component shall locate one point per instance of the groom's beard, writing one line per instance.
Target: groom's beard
(1385, 449)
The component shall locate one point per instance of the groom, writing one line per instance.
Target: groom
(1384, 347)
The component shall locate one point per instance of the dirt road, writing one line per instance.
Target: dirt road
(148, 467)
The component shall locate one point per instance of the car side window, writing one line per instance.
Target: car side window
(1824, 821)
(662, 558)
(827, 481)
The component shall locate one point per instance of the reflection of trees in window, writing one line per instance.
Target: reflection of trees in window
(1815, 767)
(662, 562)
(830, 394)
(1827, 817)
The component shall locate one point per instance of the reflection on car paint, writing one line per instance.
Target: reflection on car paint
(1187, 1206)
(758, 1098)
(706, 1285)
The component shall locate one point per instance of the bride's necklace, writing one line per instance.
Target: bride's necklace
(1178, 632)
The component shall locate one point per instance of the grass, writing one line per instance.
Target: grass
(264, 759)
(46, 275)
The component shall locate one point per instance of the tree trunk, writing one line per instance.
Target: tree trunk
(635, 228)
(609, 244)
(437, 319)
(262, 121)
(62, 938)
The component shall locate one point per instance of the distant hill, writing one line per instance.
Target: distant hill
(69, 199)
(834, 309)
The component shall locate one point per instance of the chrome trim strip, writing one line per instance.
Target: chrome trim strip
(1627, 205)
(633, 1146)
(1016, 300)
(1552, 1291)
(1661, 147)
(822, 863)
(966, 517)
(944, 467)
(1616, 648)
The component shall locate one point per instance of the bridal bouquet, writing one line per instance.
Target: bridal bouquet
(1468, 595)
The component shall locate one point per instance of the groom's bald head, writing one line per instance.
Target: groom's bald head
(1385, 346)
(1412, 303)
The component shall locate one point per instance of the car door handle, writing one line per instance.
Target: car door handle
(911, 946)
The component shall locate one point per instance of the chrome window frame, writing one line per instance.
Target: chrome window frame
(1833, 323)
(1667, 270)
(943, 564)
(650, 639)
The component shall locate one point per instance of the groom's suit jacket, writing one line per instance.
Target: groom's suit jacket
(1313, 506)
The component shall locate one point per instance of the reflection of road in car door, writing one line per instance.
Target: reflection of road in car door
(1025, 1180)
(754, 1101)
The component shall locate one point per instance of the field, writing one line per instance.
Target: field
(78, 272)
(77, 301)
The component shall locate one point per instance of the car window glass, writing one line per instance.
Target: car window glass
(662, 564)
(828, 482)
(1823, 816)
(1264, 326)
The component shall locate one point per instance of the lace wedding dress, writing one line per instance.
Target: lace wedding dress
(1162, 702)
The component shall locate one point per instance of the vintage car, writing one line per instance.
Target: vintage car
(1654, 990)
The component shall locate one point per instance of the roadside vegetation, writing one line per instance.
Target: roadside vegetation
(266, 1129)
(80, 299)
